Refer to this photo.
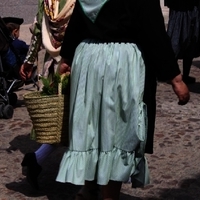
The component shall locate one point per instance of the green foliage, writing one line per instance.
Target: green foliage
(65, 84)
(51, 87)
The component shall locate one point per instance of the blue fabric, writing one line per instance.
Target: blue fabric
(9, 60)
(21, 48)
(16, 54)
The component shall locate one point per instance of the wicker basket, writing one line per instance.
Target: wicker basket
(50, 117)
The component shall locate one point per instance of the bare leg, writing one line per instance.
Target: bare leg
(112, 190)
(89, 191)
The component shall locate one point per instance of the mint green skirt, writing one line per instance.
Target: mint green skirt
(108, 124)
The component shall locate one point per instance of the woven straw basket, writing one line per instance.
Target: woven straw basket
(50, 117)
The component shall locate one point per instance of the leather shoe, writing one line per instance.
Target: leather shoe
(33, 169)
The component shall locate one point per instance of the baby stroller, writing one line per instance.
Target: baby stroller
(9, 81)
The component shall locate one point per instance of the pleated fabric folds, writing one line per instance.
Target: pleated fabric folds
(108, 123)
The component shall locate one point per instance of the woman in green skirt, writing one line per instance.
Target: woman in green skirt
(117, 49)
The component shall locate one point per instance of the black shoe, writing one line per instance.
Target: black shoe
(189, 80)
(33, 169)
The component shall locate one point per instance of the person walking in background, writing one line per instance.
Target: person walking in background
(48, 31)
(183, 30)
(116, 51)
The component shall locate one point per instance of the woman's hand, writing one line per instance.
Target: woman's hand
(64, 67)
(26, 71)
(180, 89)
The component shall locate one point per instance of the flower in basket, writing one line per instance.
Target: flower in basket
(51, 87)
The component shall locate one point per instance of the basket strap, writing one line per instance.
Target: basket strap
(60, 84)
(60, 104)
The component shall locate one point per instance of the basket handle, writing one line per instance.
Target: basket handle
(60, 84)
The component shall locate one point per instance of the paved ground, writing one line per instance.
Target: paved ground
(174, 166)
(19, 8)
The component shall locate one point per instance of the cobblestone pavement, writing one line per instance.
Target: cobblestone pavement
(174, 166)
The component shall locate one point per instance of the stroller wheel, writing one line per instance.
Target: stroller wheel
(8, 112)
(1, 109)
(12, 98)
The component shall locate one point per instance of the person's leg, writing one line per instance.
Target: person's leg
(187, 62)
(33, 163)
(33, 169)
(43, 152)
(112, 190)
(89, 191)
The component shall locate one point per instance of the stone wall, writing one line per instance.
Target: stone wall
(25, 9)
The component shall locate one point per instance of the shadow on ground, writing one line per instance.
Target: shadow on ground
(55, 191)
(23, 143)
(195, 88)
(189, 189)
(48, 186)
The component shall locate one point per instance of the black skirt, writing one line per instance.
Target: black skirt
(181, 5)
(183, 30)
